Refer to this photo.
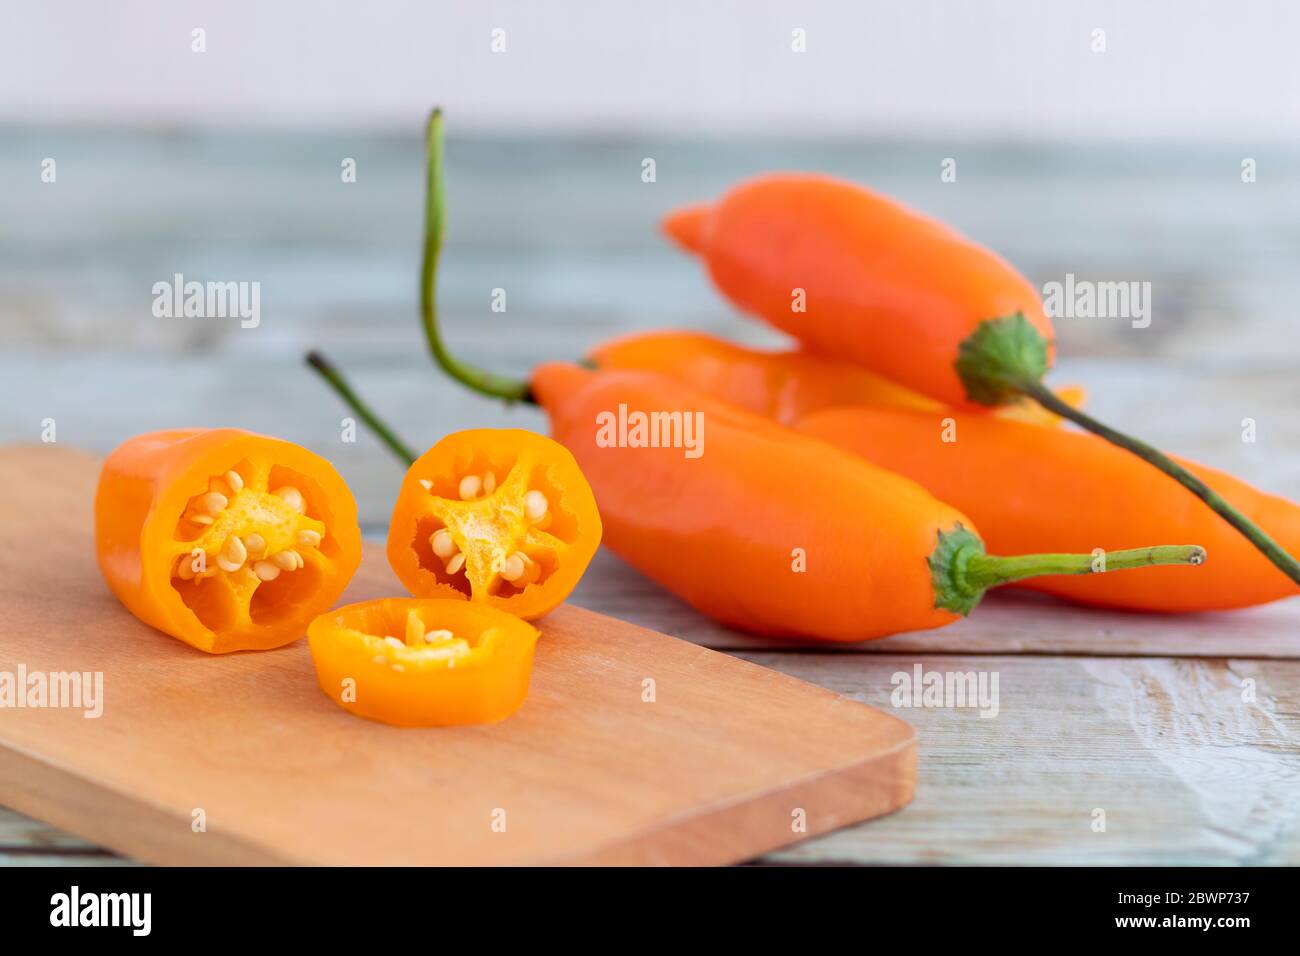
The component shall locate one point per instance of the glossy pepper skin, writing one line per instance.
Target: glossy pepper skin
(883, 285)
(719, 530)
(423, 663)
(462, 526)
(1033, 488)
(781, 384)
(152, 511)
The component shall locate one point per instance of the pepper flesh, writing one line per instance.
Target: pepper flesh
(783, 384)
(221, 567)
(1032, 488)
(454, 662)
(503, 516)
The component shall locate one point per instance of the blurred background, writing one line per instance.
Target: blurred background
(1105, 140)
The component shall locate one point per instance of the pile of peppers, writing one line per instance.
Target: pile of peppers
(898, 460)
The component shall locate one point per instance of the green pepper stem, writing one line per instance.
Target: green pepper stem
(1251, 531)
(479, 380)
(961, 572)
(990, 570)
(363, 411)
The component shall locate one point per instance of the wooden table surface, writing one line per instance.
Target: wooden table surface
(1185, 731)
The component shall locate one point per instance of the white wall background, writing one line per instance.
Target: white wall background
(997, 68)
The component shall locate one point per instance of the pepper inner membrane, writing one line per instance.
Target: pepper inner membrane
(417, 644)
(251, 546)
(493, 525)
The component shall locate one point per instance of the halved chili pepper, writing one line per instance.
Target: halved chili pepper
(1033, 488)
(423, 662)
(853, 274)
(222, 538)
(497, 515)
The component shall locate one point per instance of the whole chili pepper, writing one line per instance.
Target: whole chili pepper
(1028, 488)
(728, 530)
(766, 530)
(781, 384)
(854, 274)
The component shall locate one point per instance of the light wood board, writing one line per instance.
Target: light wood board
(729, 760)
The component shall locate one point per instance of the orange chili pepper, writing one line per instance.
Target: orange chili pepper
(856, 275)
(853, 274)
(1030, 488)
(423, 663)
(227, 540)
(502, 516)
(773, 532)
(783, 385)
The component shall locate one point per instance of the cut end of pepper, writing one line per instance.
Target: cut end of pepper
(503, 517)
(224, 539)
(1001, 358)
(248, 553)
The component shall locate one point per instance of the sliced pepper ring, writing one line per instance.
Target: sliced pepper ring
(222, 538)
(423, 662)
(500, 516)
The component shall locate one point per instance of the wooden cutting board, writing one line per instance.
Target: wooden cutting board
(730, 759)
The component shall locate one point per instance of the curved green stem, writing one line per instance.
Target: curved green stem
(479, 380)
(1251, 531)
(353, 401)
